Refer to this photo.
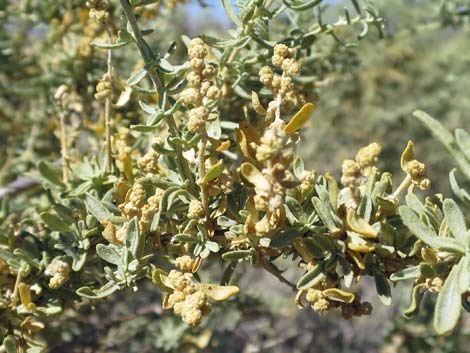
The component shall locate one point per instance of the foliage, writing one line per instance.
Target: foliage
(191, 163)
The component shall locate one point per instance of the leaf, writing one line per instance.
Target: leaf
(298, 167)
(407, 156)
(426, 234)
(216, 170)
(301, 5)
(237, 255)
(64, 213)
(218, 292)
(359, 225)
(461, 193)
(124, 97)
(96, 208)
(108, 45)
(79, 259)
(227, 4)
(9, 344)
(51, 174)
(323, 212)
(405, 274)
(104, 291)
(136, 77)
(225, 222)
(109, 253)
(448, 305)
(314, 275)
(135, 241)
(446, 138)
(463, 140)
(383, 289)
(225, 43)
(333, 190)
(300, 118)
(214, 130)
(416, 297)
(212, 246)
(455, 220)
(254, 176)
(339, 295)
(356, 242)
(286, 237)
(54, 222)
(257, 106)
(158, 279)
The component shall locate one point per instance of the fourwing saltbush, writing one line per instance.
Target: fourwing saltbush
(193, 160)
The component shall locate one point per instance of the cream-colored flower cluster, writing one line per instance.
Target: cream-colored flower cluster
(98, 10)
(186, 300)
(355, 172)
(59, 271)
(273, 156)
(286, 95)
(103, 89)
(148, 163)
(417, 171)
(185, 263)
(195, 209)
(67, 99)
(200, 85)
(324, 300)
(137, 205)
(122, 150)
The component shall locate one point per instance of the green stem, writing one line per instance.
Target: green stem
(402, 186)
(147, 55)
(202, 171)
(107, 110)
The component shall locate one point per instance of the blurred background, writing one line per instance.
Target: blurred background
(369, 93)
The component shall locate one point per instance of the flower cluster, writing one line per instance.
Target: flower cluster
(327, 299)
(273, 157)
(59, 271)
(98, 10)
(148, 163)
(186, 300)
(136, 204)
(417, 171)
(122, 150)
(286, 95)
(355, 172)
(200, 85)
(103, 89)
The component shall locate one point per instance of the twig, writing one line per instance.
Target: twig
(202, 171)
(275, 271)
(63, 147)
(17, 186)
(107, 109)
(148, 56)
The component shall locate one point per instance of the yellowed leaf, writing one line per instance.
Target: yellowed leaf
(359, 225)
(257, 106)
(254, 176)
(357, 258)
(218, 292)
(223, 146)
(407, 156)
(300, 118)
(339, 295)
(359, 244)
